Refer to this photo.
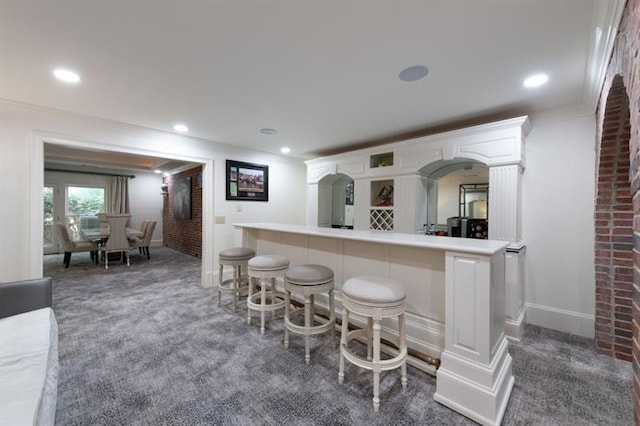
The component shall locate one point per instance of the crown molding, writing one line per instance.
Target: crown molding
(604, 30)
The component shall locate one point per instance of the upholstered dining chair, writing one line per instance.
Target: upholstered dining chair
(117, 241)
(69, 246)
(138, 241)
(143, 243)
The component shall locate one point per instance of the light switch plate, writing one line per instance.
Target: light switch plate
(220, 219)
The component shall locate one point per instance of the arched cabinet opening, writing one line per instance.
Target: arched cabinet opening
(336, 201)
(457, 198)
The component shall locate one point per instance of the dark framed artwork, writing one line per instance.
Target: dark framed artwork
(247, 181)
(181, 198)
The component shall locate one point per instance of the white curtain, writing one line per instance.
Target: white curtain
(119, 195)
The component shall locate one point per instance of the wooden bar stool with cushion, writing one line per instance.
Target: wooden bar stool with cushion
(237, 258)
(263, 271)
(374, 298)
(307, 281)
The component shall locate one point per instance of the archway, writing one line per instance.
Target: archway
(335, 201)
(442, 180)
(614, 214)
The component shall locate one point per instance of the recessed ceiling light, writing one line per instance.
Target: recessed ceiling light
(67, 76)
(180, 128)
(157, 171)
(536, 80)
(268, 131)
(285, 150)
(413, 73)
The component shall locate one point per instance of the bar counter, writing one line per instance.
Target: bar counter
(454, 308)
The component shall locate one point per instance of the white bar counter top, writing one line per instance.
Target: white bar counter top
(454, 307)
(463, 245)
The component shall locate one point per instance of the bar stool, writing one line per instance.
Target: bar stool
(374, 298)
(307, 281)
(237, 258)
(263, 271)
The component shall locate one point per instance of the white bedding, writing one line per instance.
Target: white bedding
(28, 368)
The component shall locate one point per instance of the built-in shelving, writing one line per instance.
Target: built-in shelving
(381, 212)
(381, 160)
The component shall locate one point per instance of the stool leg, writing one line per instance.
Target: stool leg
(343, 342)
(369, 329)
(308, 311)
(287, 315)
(376, 365)
(263, 302)
(235, 285)
(403, 343)
(332, 316)
(250, 297)
(220, 285)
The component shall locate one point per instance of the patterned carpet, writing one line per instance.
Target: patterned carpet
(146, 345)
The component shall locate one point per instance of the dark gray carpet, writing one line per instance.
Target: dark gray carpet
(146, 345)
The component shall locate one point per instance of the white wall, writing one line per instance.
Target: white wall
(558, 227)
(22, 126)
(145, 202)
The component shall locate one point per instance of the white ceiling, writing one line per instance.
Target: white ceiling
(324, 73)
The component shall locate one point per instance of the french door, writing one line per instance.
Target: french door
(50, 195)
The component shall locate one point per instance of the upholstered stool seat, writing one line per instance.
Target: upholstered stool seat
(263, 271)
(307, 281)
(374, 298)
(237, 258)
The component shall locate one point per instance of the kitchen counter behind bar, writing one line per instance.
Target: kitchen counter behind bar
(455, 300)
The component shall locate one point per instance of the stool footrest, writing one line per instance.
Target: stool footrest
(385, 364)
(304, 331)
(274, 301)
(228, 286)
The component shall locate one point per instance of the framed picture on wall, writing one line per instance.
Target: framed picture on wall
(247, 181)
(181, 198)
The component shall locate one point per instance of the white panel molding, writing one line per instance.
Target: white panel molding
(316, 173)
(415, 159)
(561, 319)
(493, 151)
(352, 169)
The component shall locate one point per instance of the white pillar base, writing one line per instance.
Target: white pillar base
(480, 392)
(515, 328)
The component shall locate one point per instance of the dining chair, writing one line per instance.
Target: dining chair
(69, 246)
(117, 240)
(143, 243)
(143, 229)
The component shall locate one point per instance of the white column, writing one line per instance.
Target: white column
(475, 375)
(514, 292)
(312, 204)
(505, 223)
(406, 203)
(505, 203)
(361, 204)
(431, 186)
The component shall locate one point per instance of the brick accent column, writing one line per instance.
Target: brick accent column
(620, 95)
(614, 230)
(184, 235)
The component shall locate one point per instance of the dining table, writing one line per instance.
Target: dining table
(103, 233)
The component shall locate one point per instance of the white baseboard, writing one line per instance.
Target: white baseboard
(513, 329)
(560, 319)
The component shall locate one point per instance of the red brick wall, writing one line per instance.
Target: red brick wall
(614, 290)
(183, 235)
(614, 230)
